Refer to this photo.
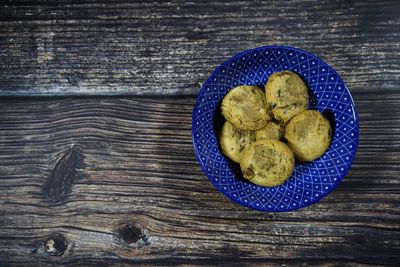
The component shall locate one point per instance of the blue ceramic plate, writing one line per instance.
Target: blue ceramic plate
(310, 181)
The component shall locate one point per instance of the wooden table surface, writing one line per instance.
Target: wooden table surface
(96, 159)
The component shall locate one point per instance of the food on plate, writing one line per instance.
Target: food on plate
(245, 107)
(308, 134)
(267, 162)
(270, 131)
(256, 122)
(233, 140)
(287, 95)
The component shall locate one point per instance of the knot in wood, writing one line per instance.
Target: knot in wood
(132, 233)
(55, 245)
(60, 180)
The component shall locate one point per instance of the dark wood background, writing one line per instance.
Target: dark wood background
(96, 158)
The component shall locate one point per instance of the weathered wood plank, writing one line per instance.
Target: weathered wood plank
(101, 181)
(170, 47)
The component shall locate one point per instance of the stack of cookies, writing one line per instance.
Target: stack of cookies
(265, 133)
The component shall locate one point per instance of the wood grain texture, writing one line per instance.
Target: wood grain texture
(109, 47)
(125, 188)
(99, 181)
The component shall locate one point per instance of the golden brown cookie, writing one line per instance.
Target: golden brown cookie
(245, 107)
(270, 131)
(233, 140)
(309, 135)
(287, 95)
(267, 162)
